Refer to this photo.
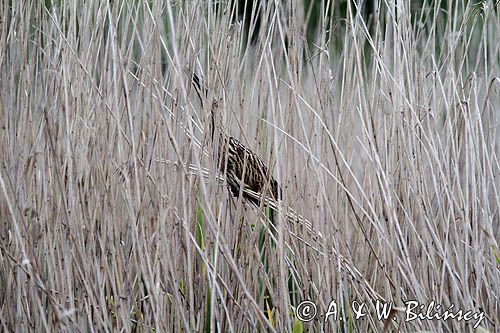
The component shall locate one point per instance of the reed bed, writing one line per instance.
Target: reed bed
(380, 120)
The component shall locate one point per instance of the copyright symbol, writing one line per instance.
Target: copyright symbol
(306, 311)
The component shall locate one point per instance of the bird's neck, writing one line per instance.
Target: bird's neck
(213, 121)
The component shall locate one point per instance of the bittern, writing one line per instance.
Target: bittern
(244, 171)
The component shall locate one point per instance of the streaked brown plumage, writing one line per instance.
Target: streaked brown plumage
(243, 170)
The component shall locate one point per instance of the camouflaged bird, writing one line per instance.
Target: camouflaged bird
(243, 170)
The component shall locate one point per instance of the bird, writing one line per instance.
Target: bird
(245, 172)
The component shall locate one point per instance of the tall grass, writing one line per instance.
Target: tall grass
(382, 126)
